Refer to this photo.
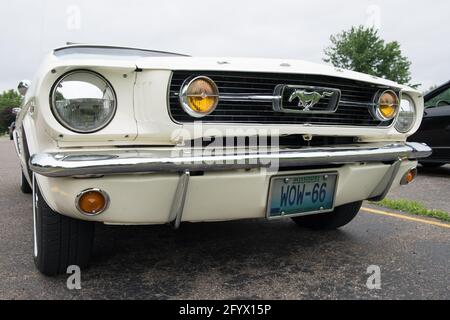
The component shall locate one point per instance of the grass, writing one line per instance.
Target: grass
(413, 207)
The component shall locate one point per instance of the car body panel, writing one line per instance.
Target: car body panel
(214, 196)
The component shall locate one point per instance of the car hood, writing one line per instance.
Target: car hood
(256, 65)
(217, 64)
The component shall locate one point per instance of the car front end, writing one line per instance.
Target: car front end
(173, 139)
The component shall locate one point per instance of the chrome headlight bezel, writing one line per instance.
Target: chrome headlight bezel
(413, 106)
(67, 125)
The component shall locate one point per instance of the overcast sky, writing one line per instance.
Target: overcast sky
(236, 28)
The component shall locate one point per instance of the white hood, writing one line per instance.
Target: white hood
(256, 65)
(178, 62)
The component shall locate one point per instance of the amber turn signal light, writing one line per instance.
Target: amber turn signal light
(409, 177)
(92, 201)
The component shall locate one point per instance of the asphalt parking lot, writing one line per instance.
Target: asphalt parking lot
(243, 259)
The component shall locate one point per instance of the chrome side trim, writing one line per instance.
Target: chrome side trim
(72, 45)
(34, 202)
(16, 142)
(81, 164)
(176, 211)
(381, 191)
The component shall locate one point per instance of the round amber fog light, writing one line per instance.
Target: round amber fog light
(387, 106)
(92, 202)
(199, 97)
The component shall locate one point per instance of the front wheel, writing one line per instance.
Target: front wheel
(340, 217)
(59, 241)
(24, 185)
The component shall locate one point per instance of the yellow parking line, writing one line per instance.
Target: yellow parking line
(400, 216)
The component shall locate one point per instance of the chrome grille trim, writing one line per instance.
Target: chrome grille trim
(247, 97)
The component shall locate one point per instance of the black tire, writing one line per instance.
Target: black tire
(340, 217)
(11, 136)
(59, 241)
(432, 164)
(24, 185)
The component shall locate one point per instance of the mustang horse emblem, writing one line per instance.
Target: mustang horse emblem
(307, 100)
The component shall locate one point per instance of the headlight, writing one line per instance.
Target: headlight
(407, 115)
(83, 101)
(199, 96)
(387, 105)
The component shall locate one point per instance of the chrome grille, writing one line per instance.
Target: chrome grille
(353, 109)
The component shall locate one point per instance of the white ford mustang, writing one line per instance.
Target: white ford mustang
(129, 136)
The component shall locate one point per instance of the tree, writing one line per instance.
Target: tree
(6, 118)
(361, 49)
(8, 100)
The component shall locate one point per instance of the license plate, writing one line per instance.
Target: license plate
(301, 194)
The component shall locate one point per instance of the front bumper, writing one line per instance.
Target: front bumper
(79, 164)
(155, 187)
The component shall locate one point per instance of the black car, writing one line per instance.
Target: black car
(11, 130)
(435, 128)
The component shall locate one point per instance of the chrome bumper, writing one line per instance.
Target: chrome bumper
(79, 164)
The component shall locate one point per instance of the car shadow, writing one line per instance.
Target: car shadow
(166, 261)
(443, 171)
(216, 240)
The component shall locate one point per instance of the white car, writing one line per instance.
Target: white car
(128, 136)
